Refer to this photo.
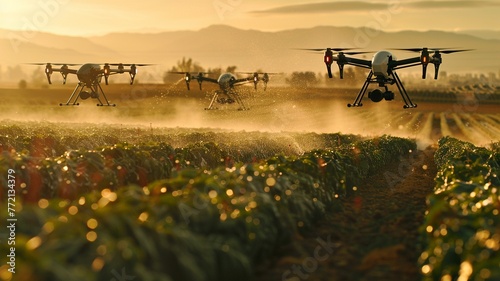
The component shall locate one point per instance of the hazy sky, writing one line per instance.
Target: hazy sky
(92, 17)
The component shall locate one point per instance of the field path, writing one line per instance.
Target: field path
(373, 237)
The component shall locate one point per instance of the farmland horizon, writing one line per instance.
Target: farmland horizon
(248, 49)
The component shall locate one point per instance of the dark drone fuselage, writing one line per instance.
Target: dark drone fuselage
(89, 74)
(225, 81)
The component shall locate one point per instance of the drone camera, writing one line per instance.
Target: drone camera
(377, 95)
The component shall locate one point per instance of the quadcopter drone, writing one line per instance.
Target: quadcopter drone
(90, 76)
(383, 68)
(226, 81)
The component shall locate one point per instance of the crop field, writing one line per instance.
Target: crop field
(299, 187)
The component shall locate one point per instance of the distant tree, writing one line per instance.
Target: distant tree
(22, 84)
(215, 72)
(443, 75)
(14, 73)
(302, 79)
(187, 65)
(38, 79)
(352, 76)
(231, 69)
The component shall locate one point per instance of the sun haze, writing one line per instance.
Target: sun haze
(100, 17)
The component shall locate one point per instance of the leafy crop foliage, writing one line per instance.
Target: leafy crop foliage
(68, 162)
(196, 216)
(463, 222)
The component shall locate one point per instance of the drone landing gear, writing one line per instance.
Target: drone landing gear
(402, 91)
(377, 95)
(229, 99)
(94, 93)
(359, 97)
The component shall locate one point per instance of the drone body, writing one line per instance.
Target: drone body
(89, 77)
(88, 73)
(226, 94)
(382, 70)
(380, 63)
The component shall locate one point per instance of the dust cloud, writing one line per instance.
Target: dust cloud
(277, 110)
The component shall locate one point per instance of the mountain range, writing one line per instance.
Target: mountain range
(221, 46)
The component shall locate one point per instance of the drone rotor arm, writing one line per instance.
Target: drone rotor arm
(206, 79)
(407, 62)
(65, 71)
(407, 65)
(358, 62)
(242, 81)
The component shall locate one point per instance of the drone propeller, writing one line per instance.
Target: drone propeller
(256, 78)
(49, 70)
(188, 76)
(192, 73)
(121, 69)
(341, 58)
(107, 72)
(133, 72)
(199, 78)
(130, 64)
(265, 79)
(42, 63)
(442, 50)
(325, 49)
(436, 59)
(260, 73)
(455, 51)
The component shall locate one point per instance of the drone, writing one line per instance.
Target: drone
(383, 68)
(90, 76)
(226, 81)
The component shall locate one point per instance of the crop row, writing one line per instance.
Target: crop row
(474, 127)
(54, 139)
(477, 128)
(462, 223)
(196, 225)
(76, 172)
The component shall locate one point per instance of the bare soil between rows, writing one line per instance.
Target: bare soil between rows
(374, 235)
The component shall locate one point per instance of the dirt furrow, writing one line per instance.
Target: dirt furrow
(374, 236)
